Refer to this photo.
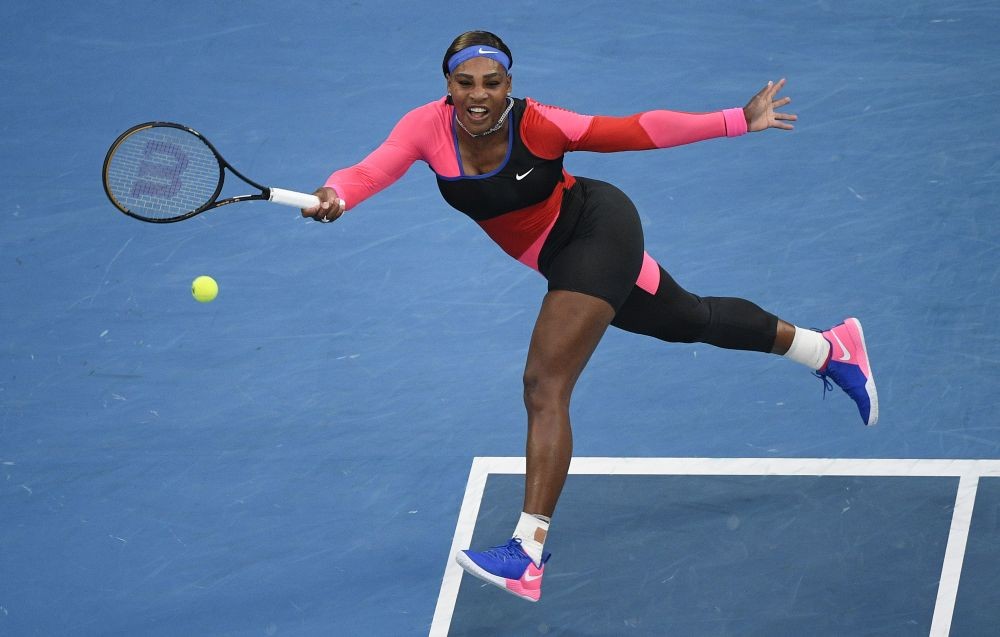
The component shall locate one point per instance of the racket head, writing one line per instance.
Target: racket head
(162, 172)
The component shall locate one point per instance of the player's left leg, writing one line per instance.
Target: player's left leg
(849, 367)
(670, 313)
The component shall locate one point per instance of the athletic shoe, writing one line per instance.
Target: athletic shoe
(848, 367)
(508, 567)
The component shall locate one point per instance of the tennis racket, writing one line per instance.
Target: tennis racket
(162, 172)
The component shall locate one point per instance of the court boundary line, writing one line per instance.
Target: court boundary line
(967, 471)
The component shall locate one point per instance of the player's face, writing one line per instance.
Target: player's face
(479, 89)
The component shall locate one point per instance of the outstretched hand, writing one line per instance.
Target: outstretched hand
(761, 112)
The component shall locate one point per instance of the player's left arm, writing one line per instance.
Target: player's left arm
(565, 130)
(761, 112)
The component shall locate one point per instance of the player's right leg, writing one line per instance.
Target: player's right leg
(568, 329)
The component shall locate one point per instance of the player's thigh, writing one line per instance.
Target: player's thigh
(567, 331)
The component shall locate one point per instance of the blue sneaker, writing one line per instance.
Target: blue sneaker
(508, 567)
(848, 366)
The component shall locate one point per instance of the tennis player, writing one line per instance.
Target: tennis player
(499, 160)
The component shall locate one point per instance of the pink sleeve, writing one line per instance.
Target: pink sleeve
(414, 137)
(642, 131)
(571, 125)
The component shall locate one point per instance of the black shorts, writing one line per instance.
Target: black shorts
(596, 244)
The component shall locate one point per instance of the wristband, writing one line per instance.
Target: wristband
(736, 122)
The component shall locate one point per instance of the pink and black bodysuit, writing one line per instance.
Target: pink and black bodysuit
(583, 235)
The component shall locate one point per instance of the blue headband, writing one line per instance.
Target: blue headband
(476, 51)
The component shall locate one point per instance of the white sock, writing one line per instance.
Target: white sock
(531, 530)
(809, 348)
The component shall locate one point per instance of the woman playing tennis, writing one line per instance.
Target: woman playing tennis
(499, 160)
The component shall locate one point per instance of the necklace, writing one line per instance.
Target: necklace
(496, 127)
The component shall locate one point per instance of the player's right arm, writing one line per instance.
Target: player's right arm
(330, 207)
(348, 187)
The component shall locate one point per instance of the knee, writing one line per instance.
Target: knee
(689, 320)
(672, 314)
(680, 318)
(545, 392)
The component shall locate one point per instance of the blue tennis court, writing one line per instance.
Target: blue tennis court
(302, 455)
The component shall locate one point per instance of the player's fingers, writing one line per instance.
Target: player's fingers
(331, 210)
(328, 211)
(315, 211)
(336, 209)
(320, 212)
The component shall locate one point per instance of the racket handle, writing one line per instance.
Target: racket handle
(292, 198)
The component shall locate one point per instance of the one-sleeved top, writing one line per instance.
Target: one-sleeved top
(518, 203)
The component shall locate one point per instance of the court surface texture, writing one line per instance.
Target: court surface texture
(303, 455)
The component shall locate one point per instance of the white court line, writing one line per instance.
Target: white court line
(954, 555)
(463, 537)
(968, 472)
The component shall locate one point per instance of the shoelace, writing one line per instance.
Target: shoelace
(827, 385)
(510, 551)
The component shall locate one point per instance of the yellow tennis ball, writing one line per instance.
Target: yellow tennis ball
(204, 289)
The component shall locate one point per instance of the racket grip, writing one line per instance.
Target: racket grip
(292, 198)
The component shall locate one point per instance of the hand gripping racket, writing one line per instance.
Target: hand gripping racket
(162, 172)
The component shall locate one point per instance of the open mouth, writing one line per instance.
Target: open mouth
(478, 114)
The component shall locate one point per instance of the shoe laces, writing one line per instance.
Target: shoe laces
(510, 551)
(827, 385)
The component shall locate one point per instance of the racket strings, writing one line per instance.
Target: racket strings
(162, 173)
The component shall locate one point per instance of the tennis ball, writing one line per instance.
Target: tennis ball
(204, 289)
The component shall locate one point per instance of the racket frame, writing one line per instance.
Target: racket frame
(213, 201)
